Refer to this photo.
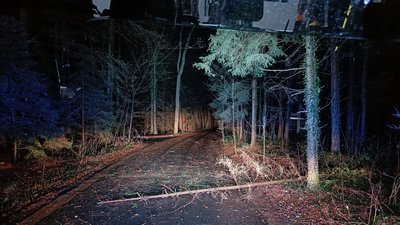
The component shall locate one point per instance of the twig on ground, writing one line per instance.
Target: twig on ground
(181, 207)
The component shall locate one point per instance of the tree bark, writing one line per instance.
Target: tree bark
(180, 68)
(335, 101)
(312, 108)
(253, 141)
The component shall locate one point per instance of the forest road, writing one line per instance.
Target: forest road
(185, 162)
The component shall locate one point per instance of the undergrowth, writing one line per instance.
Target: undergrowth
(358, 191)
(251, 167)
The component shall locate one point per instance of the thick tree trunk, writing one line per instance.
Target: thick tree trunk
(312, 108)
(363, 128)
(253, 140)
(180, 68)
(335, 101)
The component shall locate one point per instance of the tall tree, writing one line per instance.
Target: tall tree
(312, 109)
(350, 101)
(180, 66)
(243, 54)
(157, 58)
(335, 100)
(253, 140)
(363, 123)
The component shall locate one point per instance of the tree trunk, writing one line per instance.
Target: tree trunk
(222, 128)
(253, 141)
(260, 105)
(264, 121)
(110, 73)
(153, 96)
(15, 150)
(83, 116)
(280, 117)
(233, 116)
(350, 104)
(289, 102)
(326, 13)
(131, 116)
(180, 68)
(110, 68)
(287, 123)
(363, 128)
(335, 101)
(312, 108)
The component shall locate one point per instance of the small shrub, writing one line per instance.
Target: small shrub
(34, 149)
(58, 143)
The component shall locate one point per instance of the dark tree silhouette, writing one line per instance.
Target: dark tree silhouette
(25, 108)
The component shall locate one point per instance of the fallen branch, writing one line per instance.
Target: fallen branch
(175, 194)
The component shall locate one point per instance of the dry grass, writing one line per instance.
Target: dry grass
(249, 167)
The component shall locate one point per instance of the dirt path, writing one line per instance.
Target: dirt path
(180, 163)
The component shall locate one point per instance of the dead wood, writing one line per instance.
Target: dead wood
(175, 194)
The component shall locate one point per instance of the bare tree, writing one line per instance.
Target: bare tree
(180, 66)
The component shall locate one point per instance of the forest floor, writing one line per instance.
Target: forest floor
(185, 162)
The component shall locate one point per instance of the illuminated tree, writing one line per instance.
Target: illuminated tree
(312, 108)
(242, 54)
(180, 66)
(230, 103)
